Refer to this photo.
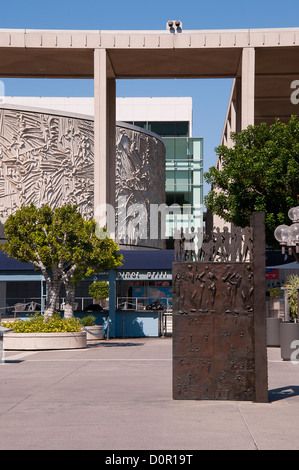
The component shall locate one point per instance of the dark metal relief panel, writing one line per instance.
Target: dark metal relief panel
(213, 331)
(219, 316)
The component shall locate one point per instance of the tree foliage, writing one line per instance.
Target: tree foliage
(259, 173)
(99, 290)
(62, 245)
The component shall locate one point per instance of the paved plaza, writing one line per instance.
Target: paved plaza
(117, 395)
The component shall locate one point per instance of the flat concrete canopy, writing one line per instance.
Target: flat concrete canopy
(161, 54)
(262, 62)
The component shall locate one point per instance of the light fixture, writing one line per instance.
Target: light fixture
(294, 235)
(289, 235)
(294, 214)
(174, 26)
(281, 234)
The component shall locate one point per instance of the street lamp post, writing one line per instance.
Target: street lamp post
(288, 236)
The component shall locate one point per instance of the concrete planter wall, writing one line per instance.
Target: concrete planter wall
(93, 333)
(42, 341)
(273, 331)
(289, 332)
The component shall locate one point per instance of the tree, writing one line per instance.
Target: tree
(62, 245)
(260, 173)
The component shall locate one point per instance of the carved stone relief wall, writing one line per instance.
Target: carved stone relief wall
(49, 159)
(140, 183)
(45, 159)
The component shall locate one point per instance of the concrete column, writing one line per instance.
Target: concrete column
(231, 123)
(228, 131)
(238, 100)
(104, 137)
(247, 85)
(233, 116)
(111, 144)
(112, 301)
(100, 125)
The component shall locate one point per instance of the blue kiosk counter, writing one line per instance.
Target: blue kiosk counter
(140, 291)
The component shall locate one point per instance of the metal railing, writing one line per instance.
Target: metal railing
(17, 305)
(141, 303)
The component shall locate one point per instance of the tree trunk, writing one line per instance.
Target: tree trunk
(69, 300)
(53, 289)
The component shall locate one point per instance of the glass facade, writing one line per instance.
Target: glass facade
(184, 174)
(184, 182)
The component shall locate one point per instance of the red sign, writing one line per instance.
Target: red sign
(272, 274)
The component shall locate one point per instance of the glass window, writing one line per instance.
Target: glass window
(170, 180)
(181, 149)
(182, 180)
(142, 124)
(175, 128)
(170, 148)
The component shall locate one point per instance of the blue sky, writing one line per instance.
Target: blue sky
(210, 97)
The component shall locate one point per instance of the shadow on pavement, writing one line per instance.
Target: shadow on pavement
(114, 344)
(283, 393)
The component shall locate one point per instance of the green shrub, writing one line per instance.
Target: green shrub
(39, 324)
(89, 320)
(274, 292)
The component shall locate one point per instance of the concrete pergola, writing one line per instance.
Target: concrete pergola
(262, 62)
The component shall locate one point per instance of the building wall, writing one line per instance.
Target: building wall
(127, 108)
(155, 109)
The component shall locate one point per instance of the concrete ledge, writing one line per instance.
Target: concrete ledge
(44, 341)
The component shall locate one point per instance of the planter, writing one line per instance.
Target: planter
(41, 341)
(273, 331)
(94, 333)
(289, 332)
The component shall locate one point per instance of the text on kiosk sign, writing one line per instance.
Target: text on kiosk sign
(149, 275)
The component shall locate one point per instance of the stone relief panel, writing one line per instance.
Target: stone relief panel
(140, 183)
(49, 159)
(45, 159)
